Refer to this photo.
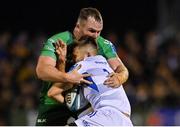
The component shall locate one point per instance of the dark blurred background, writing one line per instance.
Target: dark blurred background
(146, 34)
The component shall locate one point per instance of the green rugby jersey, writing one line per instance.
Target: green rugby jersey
(105, 48)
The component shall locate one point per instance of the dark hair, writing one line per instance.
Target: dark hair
(84, 40)
(70, 61)
(90, 12)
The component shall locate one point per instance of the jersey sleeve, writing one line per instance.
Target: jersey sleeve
(106, 48)
(48, 48)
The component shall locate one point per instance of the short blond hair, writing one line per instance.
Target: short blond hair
(85, 13)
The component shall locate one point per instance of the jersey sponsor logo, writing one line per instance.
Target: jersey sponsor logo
(107, 42)
(41, 120)
(46, 47)
(99, 62)
(51, 40)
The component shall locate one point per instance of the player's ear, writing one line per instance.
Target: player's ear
(77, 25)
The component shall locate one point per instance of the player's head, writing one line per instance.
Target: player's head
(85, 47)
(89, 23)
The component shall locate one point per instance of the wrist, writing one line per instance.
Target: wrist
(122, 78)
(62, 60)
(67, 78)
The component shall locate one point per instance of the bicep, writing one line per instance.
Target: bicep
(45, 61)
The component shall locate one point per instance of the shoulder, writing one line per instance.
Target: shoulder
(106, 48)
(48, 48)
(103, 41)
(64, 36)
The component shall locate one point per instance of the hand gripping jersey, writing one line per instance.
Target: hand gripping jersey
(98, 94)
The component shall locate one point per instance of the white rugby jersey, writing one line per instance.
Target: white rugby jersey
(98, 94)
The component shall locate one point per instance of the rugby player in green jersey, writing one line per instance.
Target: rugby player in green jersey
(89, 23)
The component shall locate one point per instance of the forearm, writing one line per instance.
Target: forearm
(59, 98)
(56, 93)
(56, 90)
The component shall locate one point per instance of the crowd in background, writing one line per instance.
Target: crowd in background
(153, 87)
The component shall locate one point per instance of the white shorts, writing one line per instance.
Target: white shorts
(105, 116)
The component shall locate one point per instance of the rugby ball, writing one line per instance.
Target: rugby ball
(75, 99)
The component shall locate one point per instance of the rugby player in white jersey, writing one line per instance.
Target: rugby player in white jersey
(111, 106)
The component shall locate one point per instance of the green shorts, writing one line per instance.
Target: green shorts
(53, 115)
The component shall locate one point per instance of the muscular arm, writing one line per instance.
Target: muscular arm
(47, 71)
